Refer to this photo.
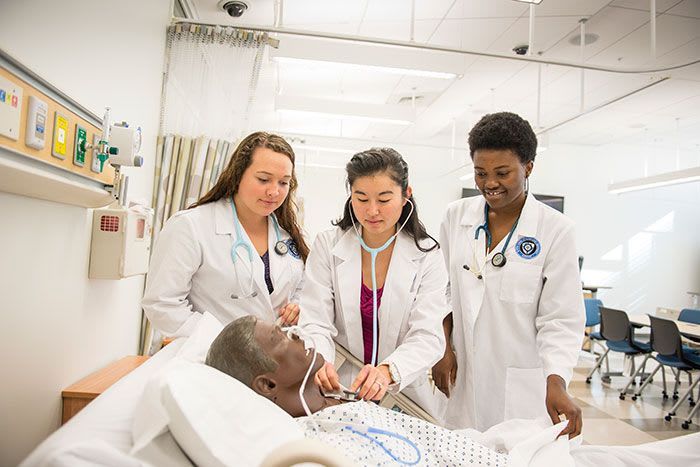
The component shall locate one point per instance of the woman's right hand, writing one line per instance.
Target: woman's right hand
(327, 378)
(445, 372)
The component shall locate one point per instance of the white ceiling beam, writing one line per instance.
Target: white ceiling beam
(394, 114)
(354, 53)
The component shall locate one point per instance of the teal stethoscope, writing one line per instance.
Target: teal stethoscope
(499, 259)
(373, 252)
(281, 248)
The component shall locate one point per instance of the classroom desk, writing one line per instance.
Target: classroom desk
(687, 329)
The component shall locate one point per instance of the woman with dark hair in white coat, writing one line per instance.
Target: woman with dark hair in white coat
(237, 251)
(517, 307)
(376, 285)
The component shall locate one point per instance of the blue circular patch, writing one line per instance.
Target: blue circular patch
(528, 247)
(292, 248)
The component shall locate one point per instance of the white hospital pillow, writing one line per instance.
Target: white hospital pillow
(197, 344)
(219, 421)
(153, 444)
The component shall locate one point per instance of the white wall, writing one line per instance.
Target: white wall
(57, 325)
(643, 244)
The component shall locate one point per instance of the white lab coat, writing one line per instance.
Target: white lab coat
(192, 272)
(412, 308)
(518, 324)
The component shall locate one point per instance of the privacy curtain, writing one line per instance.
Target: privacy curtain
(211, 74)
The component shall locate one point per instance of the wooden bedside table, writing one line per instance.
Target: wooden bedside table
(78, 395)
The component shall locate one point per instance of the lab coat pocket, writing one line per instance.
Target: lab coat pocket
(525, 393)
(520, 282)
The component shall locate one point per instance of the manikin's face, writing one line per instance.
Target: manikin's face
(377, 203)
(265, 183)
(282, 386)
(500, 176)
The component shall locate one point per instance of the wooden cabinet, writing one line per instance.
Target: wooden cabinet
(78, 395)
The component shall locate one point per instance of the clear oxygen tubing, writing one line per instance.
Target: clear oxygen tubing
(295, 330)
(373, 252)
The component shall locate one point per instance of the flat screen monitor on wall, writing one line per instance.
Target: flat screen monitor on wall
(557, 202)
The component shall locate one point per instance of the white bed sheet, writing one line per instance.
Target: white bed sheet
(100, 434)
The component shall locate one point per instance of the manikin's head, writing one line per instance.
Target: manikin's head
(261, 356)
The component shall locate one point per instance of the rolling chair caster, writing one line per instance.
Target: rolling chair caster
(588, 380)
(665, 396)
(675, 396)
(668, 418)
(622, 396)
(685, 425)
(634, 398)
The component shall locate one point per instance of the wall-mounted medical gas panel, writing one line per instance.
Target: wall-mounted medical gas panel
(40, 123)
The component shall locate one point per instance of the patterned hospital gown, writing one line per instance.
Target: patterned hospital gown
(345, 427)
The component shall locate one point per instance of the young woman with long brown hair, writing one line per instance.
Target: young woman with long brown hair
(238, 250)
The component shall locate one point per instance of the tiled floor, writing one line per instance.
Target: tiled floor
(607, 420)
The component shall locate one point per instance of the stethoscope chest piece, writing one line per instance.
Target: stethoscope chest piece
(498, 260)
(281, 248)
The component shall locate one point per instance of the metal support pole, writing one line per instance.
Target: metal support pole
(539, 95)
(531, 38)
(652, 23)
(582, 22)
(412, 37)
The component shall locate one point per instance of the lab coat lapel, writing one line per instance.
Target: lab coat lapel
(399, 288)
(347, 253)
(244, 266)
(473, 217)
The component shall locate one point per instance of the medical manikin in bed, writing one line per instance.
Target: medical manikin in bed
(276, 365)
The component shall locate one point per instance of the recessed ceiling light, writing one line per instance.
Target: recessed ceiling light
(590, 38)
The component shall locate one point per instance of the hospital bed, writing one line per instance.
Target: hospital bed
(101, 434)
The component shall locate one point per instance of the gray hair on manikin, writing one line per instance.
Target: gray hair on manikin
(236, 352)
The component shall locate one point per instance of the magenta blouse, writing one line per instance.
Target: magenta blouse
(366, 313)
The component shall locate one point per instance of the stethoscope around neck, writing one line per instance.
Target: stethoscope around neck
(373, 252)
(281, 248)
(499, 259)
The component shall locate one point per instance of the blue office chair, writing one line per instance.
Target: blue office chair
(593, 319)
(615, 328)
(690, 315)
(670, 351)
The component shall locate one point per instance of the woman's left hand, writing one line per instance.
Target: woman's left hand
(289, 314)
(373, 382)
(559, 402)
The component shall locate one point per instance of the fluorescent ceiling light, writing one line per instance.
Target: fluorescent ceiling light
(364, 68)
(365, 118)
(655, 181)
(300, 147)
(535, 2)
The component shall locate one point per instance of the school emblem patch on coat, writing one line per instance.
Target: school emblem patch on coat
(293, 250)
(528, 247)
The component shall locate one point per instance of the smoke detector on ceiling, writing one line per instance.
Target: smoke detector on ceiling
(589, 39)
